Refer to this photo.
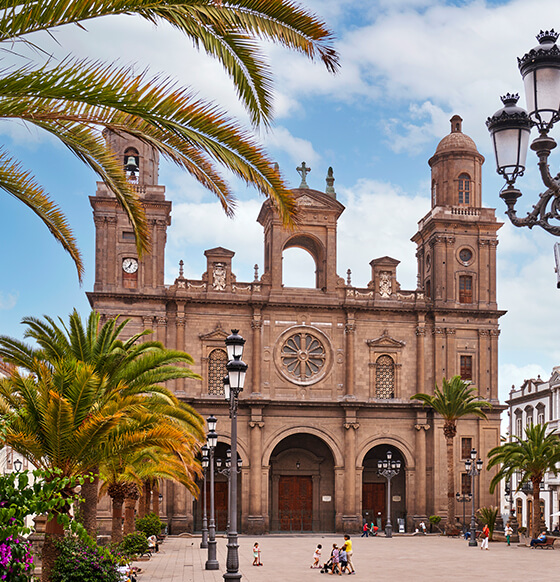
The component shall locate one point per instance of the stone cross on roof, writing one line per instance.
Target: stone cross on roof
(303, 170)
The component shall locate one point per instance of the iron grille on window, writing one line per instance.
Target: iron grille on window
(465, 289)
(303, 356)
(216, 371)
(385, 377)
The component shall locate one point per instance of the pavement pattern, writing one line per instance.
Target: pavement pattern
(379, 559)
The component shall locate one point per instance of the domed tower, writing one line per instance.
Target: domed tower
(456, 251)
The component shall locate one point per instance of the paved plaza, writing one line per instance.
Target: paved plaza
(376, 559)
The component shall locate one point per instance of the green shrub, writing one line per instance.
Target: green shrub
(434, 520)
(151, 525)
(84, 562)
(134, 544)
(488, 516)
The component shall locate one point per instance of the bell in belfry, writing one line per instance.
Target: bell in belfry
(131, 167)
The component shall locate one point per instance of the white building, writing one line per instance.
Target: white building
(537, 402)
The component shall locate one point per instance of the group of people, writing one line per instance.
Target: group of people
(369, 529)
(340, 560)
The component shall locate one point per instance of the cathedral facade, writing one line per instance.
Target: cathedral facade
(332, 368)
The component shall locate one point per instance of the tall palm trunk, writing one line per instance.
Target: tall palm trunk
(537, 525)
(155, 498)
(54, 532)
(132, 495)
(117, 493)
(450, 484)
(88, 507)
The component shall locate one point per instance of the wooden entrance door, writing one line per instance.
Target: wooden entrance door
(295, 503)
(374, 498)
(220, 503)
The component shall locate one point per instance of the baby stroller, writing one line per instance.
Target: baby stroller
(327, 567)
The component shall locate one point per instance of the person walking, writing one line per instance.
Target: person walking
(508, 531)
(335, 561)
(347, 547)
(317, 556)
(485, 537)
(365, 530)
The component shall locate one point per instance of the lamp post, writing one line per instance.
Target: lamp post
(205, 463)
(473, 469)
(388, 468)
(212, 562)
(465, 498)
(236, 378)
(18, 465)
(510, 128)
(224, 468)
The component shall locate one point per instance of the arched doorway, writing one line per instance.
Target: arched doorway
(302, 485)
(374, 488)
(221, 493)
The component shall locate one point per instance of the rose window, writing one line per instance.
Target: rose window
(303, 356)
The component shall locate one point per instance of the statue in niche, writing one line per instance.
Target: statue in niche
(385, 287)
(219, 277)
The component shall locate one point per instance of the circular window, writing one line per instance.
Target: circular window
(302, 356)
(465, 255)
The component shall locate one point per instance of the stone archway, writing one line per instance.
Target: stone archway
(301, 485)
(374, 488)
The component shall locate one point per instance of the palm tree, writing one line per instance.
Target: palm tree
(455, 400)
(534, 456)
(71, 99)
(132, 375)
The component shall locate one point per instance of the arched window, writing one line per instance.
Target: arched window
(428, 289)
(465, 289)
(385, 377)
(434, 193)
(217, 361)
(464, 189)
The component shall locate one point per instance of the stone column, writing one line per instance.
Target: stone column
(451, 365)
(420, 354)
(350, 517)
(180, 342)
(255, 520)
(162, 330)
(256, 325)
(421, 427)
(493, 357)
(449, 268)
(349, 331)
(439, 353)
(113, 270)
(483, 368)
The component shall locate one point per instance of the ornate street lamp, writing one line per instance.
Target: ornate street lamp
(205, 462)
(510, 128)
(465, 498)
(388, 468)
(236, 378)
(18, 465)
(224, 468)
(212, 562)
(473, 469)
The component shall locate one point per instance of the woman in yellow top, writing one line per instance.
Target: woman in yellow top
(347, 546)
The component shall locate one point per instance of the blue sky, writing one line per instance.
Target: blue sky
(407, 67)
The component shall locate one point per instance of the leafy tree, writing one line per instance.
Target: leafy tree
(72, 98)
(130, 375)
(150, 525)
(531, 457)
(455, 400)
(134, 544)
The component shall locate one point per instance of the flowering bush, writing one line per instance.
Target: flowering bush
(81, 561)
(16, 561)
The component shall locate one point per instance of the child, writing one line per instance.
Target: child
(257, 555)
(334, 556)
(317, 556)
(342, 558)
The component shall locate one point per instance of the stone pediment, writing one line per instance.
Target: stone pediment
(217, 334)
(219, 252)
(554, 379)
(385, 341)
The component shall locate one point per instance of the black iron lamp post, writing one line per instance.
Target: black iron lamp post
(473, 467)
(205, 463)
(388, 468)
(212, 562)
(465, 498)
(18, 465)
(510, 128)
(236, 378)
(224, 468)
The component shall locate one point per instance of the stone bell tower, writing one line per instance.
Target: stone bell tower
(456, 251)
(117, 265)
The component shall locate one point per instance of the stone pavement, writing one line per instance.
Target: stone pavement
(401, 558)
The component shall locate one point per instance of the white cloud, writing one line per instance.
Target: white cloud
(298, 149)
(8, 300)
(513, 376)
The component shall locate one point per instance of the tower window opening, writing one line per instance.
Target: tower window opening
(464, 189)
(385, 377)
(465, 289)
(466, 368)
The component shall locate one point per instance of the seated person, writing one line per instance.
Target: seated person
(556, 531)
(153, 543)
(540, 540)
